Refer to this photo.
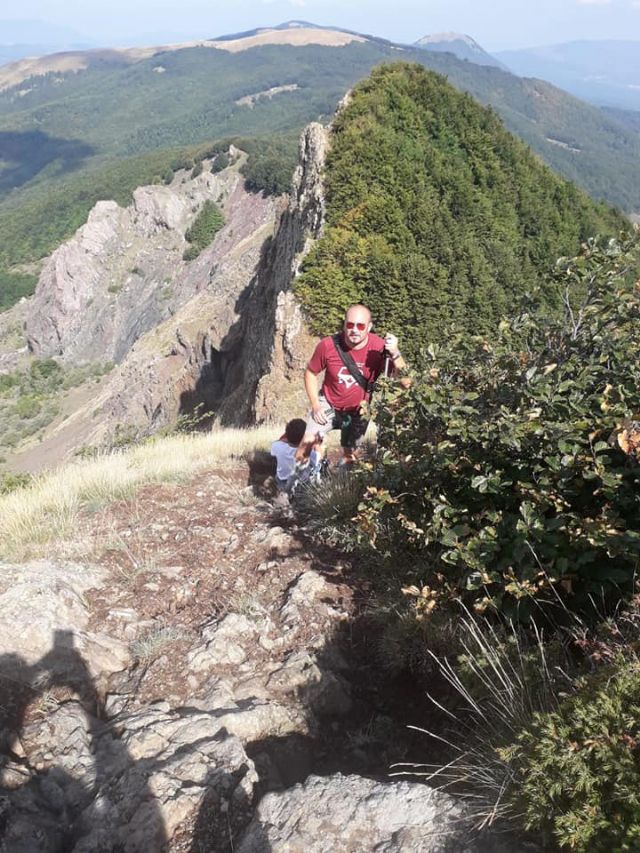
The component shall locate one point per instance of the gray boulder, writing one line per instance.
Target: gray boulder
(351, 814)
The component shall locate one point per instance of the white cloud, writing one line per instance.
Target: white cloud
(594, 2)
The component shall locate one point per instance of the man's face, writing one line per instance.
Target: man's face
(357, 325)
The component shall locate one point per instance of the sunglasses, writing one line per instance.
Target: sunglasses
(359, 326)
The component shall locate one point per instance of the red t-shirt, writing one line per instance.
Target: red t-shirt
(339, 387)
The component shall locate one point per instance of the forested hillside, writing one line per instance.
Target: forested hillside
(436, 215)
(70, 139)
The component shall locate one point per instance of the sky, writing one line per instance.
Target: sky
(495, 24)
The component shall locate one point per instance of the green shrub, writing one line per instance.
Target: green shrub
(10, 482)
(221, 162)
(577, 769)
(8, 381)
(191, 253)
(202, 231)
(269, 168)
(28, 406)
(197, 169)
(510, 471)
(13, 286)
(45, 368)
(181, 162)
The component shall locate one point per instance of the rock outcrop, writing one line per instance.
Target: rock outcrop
(182, 690)
(224, 331)
(350, 814)
(264, 376)
(238, 349)
(122, 274)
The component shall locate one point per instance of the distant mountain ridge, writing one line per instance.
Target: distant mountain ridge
(603, 72)
(460, 45)
(16, 73)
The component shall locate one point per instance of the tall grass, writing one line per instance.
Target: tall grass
(502, 679)
(46, 511)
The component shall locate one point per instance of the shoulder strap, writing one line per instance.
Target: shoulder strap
(352, 367)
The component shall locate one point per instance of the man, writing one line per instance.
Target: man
(348, 381)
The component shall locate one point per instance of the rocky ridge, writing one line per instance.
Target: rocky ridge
(196, 659)
(223, 330)
(122, 273)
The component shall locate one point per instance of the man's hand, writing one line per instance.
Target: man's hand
(318, 414)
(391, 345)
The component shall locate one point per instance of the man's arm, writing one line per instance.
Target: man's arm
(311, 387)
(391, 345)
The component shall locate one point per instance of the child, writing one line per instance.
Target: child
(284, 451)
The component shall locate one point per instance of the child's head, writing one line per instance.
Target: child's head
(295, 430)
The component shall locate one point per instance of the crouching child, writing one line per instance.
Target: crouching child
(289, 472)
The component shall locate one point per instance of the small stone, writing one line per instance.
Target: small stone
(114, 704)
(124, 614)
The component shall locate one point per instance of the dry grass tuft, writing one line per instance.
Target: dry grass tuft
(46, 511)
(501, 681)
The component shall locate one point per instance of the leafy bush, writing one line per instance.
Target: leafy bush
(577, 769)
(270, 165)
(510, 470)
(14, 286)
(204, 228)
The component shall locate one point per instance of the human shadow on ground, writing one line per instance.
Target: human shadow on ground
(45, 812)
(77, 802)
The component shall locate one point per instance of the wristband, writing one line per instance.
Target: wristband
(396, 356)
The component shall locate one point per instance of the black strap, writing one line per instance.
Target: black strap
(352, 367)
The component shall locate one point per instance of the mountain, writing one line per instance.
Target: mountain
(628, 118)
(462, 46)
(437, 217)
(78, 127)
(601, 72)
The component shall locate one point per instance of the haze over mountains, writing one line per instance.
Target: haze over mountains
(20, 38)
(602, 72)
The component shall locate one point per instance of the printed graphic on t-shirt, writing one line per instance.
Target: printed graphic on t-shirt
(345, 378)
